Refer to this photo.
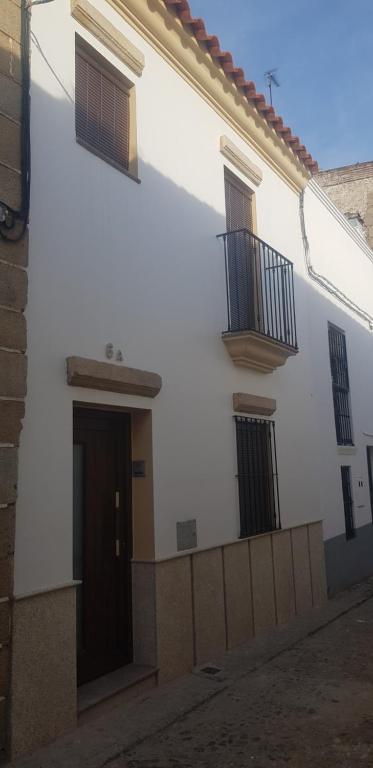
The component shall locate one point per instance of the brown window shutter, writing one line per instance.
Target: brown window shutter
(238, 203)
(80, 97)
(121, 126)
(101, 112)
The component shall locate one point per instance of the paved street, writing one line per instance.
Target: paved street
(298, 697)
(313, 705)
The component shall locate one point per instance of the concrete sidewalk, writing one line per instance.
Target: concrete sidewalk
(109, 738)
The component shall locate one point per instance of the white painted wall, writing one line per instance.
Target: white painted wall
(140, 266)
(336, 255)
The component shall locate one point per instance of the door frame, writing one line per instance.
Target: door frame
(124, 454)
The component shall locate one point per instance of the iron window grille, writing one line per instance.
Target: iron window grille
(260, 288)
(257, 476)
(340, 385)
(348, 502)
(102, 107)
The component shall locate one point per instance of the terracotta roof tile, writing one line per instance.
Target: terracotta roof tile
(225, 59)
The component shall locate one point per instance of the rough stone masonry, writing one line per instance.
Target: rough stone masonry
(351, 189)
(13, 298)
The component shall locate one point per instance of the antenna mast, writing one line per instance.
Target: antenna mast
(271, 80)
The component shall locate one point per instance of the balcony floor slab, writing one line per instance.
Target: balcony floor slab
(251, 349)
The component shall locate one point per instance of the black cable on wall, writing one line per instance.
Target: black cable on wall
(323, 281)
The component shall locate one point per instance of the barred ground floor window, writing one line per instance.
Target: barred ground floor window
(257, 476)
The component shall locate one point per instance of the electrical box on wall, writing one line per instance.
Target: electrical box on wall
(138, 468)
(186, 534)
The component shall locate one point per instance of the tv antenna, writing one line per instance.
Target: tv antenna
(271, 80)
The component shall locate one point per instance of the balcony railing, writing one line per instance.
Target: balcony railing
(260, 288)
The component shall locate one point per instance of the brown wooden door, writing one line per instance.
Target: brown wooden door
(241, 253)
(238, 204)
(102, 541)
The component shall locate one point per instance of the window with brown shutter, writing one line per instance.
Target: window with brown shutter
(104, 101)
(244, 274)
(238, 203)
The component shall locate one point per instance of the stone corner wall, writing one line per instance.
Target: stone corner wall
(43, 670)
(13, 296)
(368, 218)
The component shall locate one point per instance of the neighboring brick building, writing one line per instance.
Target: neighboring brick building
(351, 189)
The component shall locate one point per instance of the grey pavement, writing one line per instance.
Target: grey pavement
(297, 696)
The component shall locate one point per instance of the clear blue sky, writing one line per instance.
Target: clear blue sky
(324, 53)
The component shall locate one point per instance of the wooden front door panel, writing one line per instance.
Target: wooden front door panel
(102, 541)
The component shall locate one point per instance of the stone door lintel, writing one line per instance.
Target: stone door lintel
(93, 374)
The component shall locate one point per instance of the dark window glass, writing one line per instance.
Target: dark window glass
(348, 502)
(257, 476)
(341, 386)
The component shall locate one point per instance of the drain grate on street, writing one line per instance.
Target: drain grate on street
(210, 670)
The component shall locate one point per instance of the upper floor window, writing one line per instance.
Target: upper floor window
(340, 384)
(260, 285)
(104, 109)
(239, 200)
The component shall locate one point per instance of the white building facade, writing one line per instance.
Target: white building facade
(180, 470)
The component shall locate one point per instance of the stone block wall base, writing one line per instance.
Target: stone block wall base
(187, 610)
(43, 675)
(174, 618)
(197, 605)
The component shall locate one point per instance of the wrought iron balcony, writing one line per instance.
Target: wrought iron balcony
(260, 301)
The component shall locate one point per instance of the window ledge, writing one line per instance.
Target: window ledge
(240, 161)
(107, 159)
(250, 349)
(99, 26)
(255, 404)
(347, 450)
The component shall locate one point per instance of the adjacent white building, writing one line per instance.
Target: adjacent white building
(184, 464)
